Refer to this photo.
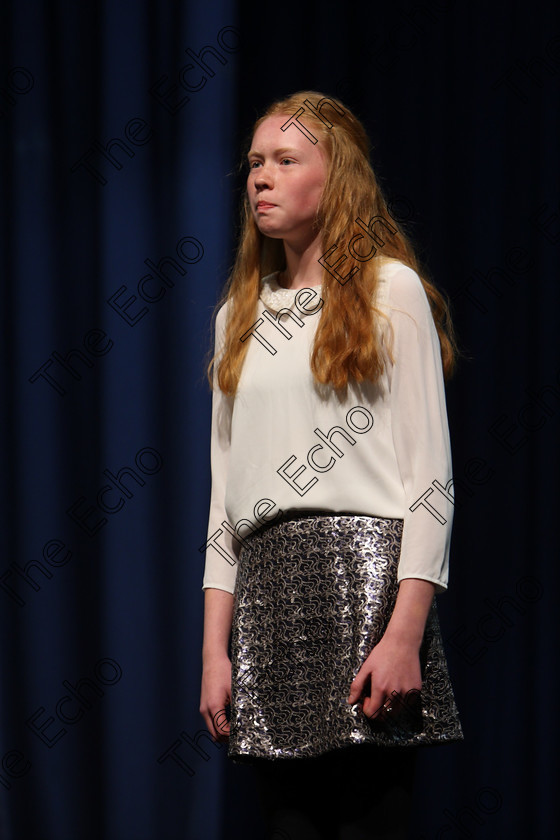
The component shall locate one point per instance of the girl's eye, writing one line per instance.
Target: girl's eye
(254, 164)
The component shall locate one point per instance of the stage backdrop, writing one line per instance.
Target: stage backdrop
(121, 126)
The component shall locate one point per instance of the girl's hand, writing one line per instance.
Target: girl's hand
(215, 695)
(394, 663)
(390, 667)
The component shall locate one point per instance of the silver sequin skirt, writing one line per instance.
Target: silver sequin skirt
(313, 595)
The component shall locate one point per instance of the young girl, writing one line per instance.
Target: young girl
(332, 501)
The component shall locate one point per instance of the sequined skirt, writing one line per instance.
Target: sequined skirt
(313, 596)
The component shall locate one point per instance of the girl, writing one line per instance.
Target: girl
(331, 503)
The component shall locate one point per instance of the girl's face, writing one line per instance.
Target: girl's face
(287, 173)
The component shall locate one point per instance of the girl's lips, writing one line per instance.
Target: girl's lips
(264, 205)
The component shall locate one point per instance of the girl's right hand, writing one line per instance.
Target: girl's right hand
(215, 695)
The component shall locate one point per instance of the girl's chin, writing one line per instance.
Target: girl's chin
(269, 231)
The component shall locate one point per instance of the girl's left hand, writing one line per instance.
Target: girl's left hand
(390, 667)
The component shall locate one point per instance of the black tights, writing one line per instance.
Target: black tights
(362, 792)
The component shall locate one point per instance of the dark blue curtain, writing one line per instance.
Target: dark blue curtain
(121, 125)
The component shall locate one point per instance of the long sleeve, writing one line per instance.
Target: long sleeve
(420, 432)
(222, 549)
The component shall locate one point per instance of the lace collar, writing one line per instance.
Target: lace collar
(276, 297)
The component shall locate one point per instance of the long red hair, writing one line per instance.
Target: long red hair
(347, 343)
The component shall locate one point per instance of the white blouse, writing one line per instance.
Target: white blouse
(284, 443)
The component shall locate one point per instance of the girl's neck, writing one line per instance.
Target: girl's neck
(303, 269)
